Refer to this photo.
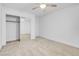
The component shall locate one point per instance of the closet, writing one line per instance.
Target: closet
(12, 28)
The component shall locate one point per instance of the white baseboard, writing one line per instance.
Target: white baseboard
(64, 42)
(0, 47)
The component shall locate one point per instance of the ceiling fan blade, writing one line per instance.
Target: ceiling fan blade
(35, 8)
(53, 5)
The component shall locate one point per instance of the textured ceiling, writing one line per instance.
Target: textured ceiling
(27, 7)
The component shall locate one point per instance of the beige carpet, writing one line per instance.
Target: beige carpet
(38, 47)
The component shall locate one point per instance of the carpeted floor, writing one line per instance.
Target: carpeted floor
(38, 47)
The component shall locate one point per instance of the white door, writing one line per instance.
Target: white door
(11, 31)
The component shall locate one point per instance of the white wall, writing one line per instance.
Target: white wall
(37, 26)
(0, 29)
(25, 26)
(3, 26)
(62, 26)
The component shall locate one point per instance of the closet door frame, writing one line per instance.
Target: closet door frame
(11, 19)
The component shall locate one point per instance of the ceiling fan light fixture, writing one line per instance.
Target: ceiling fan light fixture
(42, 6)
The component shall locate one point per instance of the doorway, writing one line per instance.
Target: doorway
(17, 28)
(12, 28)
(25, 28)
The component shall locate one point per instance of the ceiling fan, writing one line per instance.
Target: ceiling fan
(43, 6)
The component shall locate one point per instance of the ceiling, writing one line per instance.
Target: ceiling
(27, 7)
